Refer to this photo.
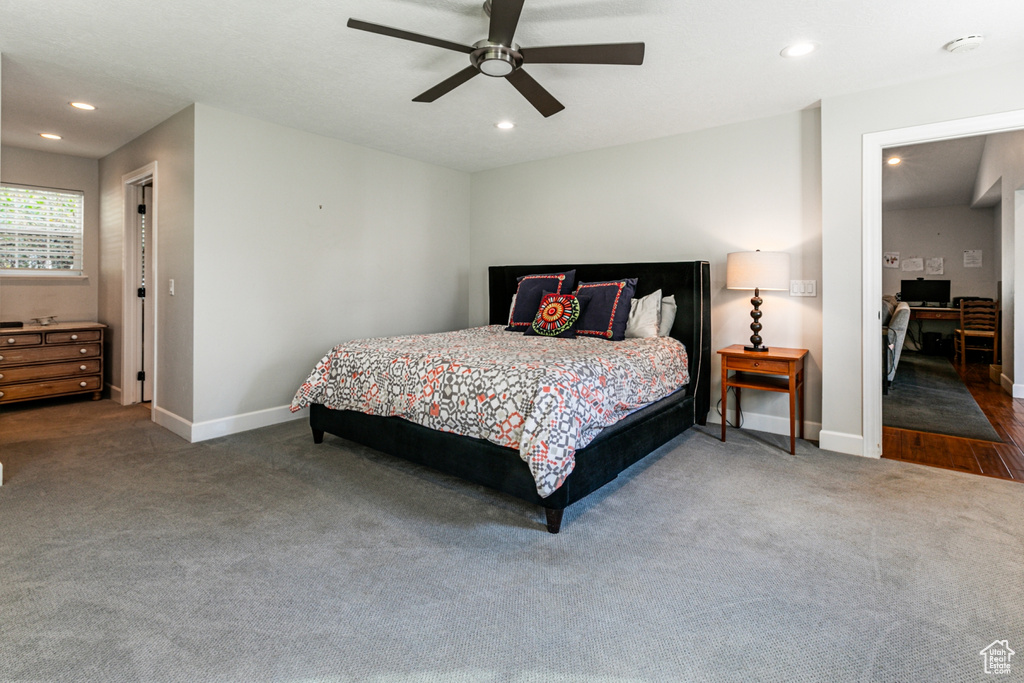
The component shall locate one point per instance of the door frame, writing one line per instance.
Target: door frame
(131, 184)
(871, 257)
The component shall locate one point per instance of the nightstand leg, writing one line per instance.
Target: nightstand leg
(792, 413)
(725, 397)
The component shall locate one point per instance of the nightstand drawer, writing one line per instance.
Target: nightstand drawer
(20, 392)
(38, 354)
(758, 365)
(30, 373)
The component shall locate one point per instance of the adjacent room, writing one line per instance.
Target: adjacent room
(325, 354)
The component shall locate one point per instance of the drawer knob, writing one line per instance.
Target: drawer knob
(1, 375)
(11, 340)
(83, 351)
(1, 394)
(81, 367)
(83, 384)
(757, 365)
(74, 337)
(1, 357)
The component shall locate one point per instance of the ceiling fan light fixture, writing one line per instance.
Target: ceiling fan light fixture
(495, 60)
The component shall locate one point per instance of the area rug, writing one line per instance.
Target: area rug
(928, 396)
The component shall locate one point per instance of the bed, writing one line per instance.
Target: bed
(613, 450)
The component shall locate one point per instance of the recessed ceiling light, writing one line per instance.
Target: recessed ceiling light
(505, 125)
(799, 49)
(50, 136)
(82, 105)
(893, 161)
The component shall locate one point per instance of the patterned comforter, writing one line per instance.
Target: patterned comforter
(544, 397)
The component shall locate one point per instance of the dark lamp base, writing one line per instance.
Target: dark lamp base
(755, 348)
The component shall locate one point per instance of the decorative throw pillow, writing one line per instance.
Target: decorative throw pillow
(668, 315)
(644, 316)
(604, 308)
(556, 316)
(529, 293)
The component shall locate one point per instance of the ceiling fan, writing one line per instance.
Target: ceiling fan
(499, 57)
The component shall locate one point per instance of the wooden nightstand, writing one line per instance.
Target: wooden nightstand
(778, 369)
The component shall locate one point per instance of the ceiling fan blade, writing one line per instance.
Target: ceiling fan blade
(504, 19)
(611, 53)
(447, 85)
(407, 35)
(540, 98)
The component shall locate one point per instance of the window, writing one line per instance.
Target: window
(40, 231)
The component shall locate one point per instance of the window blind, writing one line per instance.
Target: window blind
(40, 231)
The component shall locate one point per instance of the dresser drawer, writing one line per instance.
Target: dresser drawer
(20, 392)
(71, 337)
(10, 340)
(757, 365)
(40, 354)
(30, 373)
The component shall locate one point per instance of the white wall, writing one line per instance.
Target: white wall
(844, 122)
(700, 195)
(302, 242)
(944, 231)
(171, 145)
(70, 299)
(1003, 162)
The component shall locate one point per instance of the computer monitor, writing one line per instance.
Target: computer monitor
(924, 292)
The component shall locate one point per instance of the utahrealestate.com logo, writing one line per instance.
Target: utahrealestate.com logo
(997, 657)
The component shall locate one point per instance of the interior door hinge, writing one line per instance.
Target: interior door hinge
(142, 292)
(142, 375)
(142, 209)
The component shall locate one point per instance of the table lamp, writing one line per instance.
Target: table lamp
(757, 270)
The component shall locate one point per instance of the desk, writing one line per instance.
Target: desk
(934, 313)
(778, 369)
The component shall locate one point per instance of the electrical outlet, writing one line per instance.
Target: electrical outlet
(170, 287)
(803, 288)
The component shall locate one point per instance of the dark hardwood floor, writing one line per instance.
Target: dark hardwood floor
(1003, 460)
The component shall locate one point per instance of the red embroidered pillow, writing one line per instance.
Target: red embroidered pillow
(556, 316)
(604, 308)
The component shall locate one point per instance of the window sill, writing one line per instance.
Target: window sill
(10, 278)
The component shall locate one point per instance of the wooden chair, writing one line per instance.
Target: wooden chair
(978, 331)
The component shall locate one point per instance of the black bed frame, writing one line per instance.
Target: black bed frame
(614, 449)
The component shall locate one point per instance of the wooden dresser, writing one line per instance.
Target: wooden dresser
(37, 361)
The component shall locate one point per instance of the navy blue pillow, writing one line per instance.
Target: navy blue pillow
(605, 308)
(531, 290)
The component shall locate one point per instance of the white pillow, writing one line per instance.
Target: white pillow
(510, 309)
(668, 315)
(644, 316)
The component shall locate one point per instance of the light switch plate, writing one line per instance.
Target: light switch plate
(803, 288)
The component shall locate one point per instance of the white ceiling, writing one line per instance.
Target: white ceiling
(932, 174)
(708, 62)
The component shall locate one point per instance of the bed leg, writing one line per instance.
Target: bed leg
(554, 518)
(318, 435)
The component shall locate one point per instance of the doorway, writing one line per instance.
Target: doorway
(872, 253)
(140, 294)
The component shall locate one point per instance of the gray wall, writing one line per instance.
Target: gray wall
(700, 195)
(944, 231)
(171, 145)
(70, 299)
(302, 242)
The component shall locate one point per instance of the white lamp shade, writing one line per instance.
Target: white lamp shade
(757, 270)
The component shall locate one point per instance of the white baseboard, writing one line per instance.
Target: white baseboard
(852, 444)
(115, 393)
(768, 423)
(172, 422)
(1006, 383)
(211, 429)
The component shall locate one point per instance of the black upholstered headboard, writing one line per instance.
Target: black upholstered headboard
(689, 281)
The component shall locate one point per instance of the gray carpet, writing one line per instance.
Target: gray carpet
(928, 396)
(127, 554)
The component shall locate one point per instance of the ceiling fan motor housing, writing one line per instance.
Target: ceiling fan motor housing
(495, 59)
